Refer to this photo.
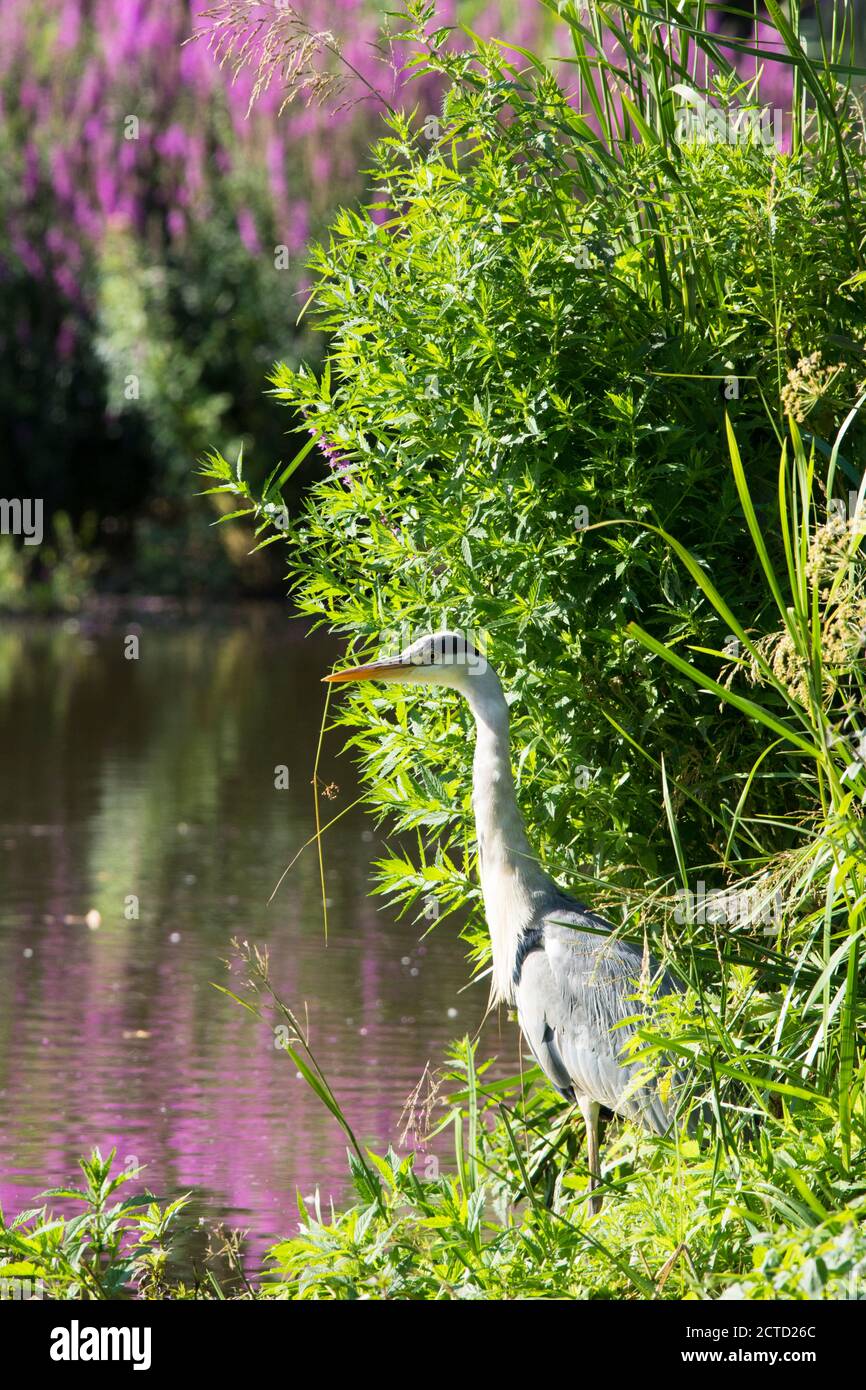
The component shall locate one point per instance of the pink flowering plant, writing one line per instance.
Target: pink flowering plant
(152, 244)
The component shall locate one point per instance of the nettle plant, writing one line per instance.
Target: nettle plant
(113, 1244)
(535, 331)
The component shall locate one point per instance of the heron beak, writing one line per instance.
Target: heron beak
(374, 671)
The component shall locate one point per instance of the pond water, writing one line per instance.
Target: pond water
(147, 786)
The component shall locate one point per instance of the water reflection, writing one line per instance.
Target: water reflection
(140, 830)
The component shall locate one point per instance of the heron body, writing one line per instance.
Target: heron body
(572, 981)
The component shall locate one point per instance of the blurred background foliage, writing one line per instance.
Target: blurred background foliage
(152, 241)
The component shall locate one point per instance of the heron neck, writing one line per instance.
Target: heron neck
(512, 882)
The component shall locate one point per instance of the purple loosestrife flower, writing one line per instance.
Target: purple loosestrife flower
(31, 170)
(128, 209)
(196, 67)
(27, 255)
(69, 28)
(12, 32)
(127, 157)
(61, 173)
(106, 189)
(195, 164)
(275, 158)
(176, 224)
(66, 282)
(130, 124)
(90, 90)
(247, 231)
(335, 459)
(66, 339)
(299, 226)
(86, 219)
(172, 143)
(28, 94)
(776, 82)
(321, 166)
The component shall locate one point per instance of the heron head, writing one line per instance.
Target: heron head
(438, 658)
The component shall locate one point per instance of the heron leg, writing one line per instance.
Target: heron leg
(589, 1110)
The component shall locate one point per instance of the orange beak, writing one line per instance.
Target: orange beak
(374, 671)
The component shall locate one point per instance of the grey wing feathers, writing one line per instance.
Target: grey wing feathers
(573, 991)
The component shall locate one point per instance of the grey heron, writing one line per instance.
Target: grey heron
(573, 981)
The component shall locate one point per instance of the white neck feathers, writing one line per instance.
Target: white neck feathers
(512, 881)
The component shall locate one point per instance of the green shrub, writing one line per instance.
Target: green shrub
(113, 1241)
(527, 335)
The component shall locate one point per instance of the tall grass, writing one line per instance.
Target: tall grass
(809, 672)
